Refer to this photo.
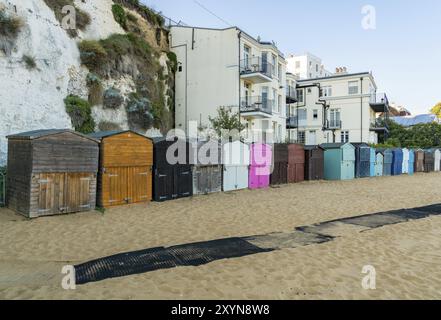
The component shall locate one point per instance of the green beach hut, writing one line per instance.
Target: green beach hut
(339, 161)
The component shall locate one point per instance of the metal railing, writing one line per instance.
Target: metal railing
(291, 93)
(257, 104)
(2, 187)
(379, 98)
(257, 65)
(292, 122)
(379, 124)
(334, 124)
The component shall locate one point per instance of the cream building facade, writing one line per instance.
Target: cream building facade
(340, 108)
(306, 66)
(228, 67)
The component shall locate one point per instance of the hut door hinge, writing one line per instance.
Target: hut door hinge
(112, 175)
(41, 181)
(43, 210)
(144, 174)
(85, 206)
(85, 179)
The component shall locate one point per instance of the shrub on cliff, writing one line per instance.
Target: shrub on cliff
(80, 113)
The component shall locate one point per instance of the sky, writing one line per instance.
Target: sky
(403, 51)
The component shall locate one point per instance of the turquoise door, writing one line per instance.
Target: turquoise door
(333, 164)
(372, 160)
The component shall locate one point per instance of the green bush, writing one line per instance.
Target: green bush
(131, 17)
(9, 26)
(80, 113)
(112, 98)
(120, 15)
(92, 54)
(172, 61)
(30, 62)
(108, 126)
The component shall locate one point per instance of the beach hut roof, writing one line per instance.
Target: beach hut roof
(36, 134)
(104, 134)
(309, 148)
(333, 145)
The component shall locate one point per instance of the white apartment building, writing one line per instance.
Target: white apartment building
(340, 108)
(306, 66)
(228, 67)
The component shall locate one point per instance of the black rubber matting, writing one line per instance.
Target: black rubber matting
(196, 254)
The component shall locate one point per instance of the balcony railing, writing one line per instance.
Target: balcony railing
(333, 124)
(291, 94)
(257, 65)
(257, 104)
(379, 124)
(379, 102)
(292, 122)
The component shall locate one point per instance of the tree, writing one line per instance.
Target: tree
(436, 110)
(227, 123)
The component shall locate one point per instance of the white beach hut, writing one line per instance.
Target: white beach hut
(236, 161)
(437, 156)
(406, 161)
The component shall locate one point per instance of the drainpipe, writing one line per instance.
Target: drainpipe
(239, 36)
(361, 108)
(186, 86)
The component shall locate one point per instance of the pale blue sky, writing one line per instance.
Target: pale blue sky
(404, 52)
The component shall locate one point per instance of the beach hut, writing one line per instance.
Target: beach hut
(379, 161)
(397, 162)
(373, 159)
(429, 161)
(419, 160)
(339, 161)
(207, 168)
(296, 163)
(437, 156)
(173, 177)
(260, 165)
(279, 173)
(51, 172)
(236, 160)
(388, 159)
(411, 162)
(125, 168)
(314, 163)
(405, 166)
(362, 160)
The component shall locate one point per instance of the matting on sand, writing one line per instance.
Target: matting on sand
(196, 254)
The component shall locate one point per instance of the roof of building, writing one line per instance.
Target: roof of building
(409, 121)
(332, 145)
(335, 76)
(31, 135)
(105, 134)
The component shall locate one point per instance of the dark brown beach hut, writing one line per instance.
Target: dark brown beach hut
(419, 160)
(51, 172)
(314, 163)
(125, 168)
(429, 161)
(296, 163)
(280, 168)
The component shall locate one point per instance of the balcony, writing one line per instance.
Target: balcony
(256, 107)
(334, 124)
(256, 70)
(379, 126)
(291, 95)
(292, 123)
(379, 103)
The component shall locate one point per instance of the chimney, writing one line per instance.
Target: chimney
(341, 70)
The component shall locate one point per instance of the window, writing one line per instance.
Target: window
(298, 64)
(325, 91)
(302, 114)
(279, 71)
(345, 136)
(280, 133)
(353, 87)
(274, 63)
(301, 137)
(279, 104)
(334, 118)
(246, 53)
(315, 114)
(300, 96)
(316, 67)
(275, 100)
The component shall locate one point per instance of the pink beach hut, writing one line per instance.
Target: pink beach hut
(260, 167)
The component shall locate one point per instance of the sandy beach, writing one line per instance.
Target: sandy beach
(406, 256)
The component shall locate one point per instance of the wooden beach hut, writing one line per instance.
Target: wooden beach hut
(173, 177)
(429, 161)
(236, 161)
(397, 162)
(207, 167)
(419, 160)
(279, 173)
(314, 163)
(125, 168)
(51, 172)
(411, 162)
(362, 160)
(260, 165)
(339, 161)
(296, 163)
(388, 158)
(379, 161)
(405, 166)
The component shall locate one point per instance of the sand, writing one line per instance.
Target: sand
(406, 256)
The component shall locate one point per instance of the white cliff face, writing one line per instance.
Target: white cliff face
(34, 99)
